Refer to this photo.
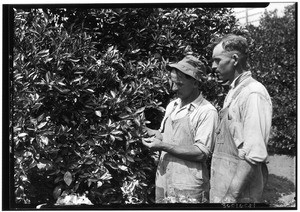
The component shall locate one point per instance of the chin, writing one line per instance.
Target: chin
(225, 82)
(222, 80)
(181, 97)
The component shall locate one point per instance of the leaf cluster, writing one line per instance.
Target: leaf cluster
(273, 62)
(84, 82)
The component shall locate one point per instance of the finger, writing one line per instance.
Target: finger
(150, 132)
(145, 142)
(149, 139)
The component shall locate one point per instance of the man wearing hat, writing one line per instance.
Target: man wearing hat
(185, 138)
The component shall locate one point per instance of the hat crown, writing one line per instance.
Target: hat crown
(191, 66)
(193, 61)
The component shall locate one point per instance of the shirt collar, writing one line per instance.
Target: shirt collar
(239, 79)
(191, 105)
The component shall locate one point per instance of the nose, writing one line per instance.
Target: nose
(174, 87)
(214, 66)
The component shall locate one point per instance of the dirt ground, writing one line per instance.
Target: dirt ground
(280, 190)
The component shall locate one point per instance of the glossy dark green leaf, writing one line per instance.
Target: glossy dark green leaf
(98, 113)
(69, 63)
(68, 178)
(129, 158)
(113, 165)
(57, 191)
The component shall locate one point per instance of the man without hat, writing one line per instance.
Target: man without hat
(238, 169)
(185, 138)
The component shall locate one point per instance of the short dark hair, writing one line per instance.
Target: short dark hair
(232, 42)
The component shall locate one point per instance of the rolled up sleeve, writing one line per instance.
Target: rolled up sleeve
(205, 131)
(257, 125)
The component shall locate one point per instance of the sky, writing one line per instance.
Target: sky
(273, 6)
(254, 14)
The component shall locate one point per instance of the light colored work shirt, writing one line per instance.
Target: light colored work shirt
(251, 111)
(203, 119)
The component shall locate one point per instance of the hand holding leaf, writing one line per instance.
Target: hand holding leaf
(155, 133)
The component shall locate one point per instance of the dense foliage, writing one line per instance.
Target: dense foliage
(273, 62)
(84, 83)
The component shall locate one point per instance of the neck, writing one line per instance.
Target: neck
(190, 98)
(237, 73)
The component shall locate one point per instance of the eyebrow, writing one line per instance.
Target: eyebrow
(216, 58)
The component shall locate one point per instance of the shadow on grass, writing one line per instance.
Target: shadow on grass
(276, 189)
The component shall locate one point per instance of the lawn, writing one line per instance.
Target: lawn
(280, 190)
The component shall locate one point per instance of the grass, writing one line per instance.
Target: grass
(280, 191)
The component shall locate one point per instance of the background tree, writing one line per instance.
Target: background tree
(84, 82)
(273, 62)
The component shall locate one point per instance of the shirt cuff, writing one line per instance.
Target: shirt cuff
(203, 148)
(243, 154)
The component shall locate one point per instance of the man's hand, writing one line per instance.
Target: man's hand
(153, 143)
(185, 152)
(155, 133)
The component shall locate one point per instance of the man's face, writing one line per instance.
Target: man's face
(181, 85)
(223, 64)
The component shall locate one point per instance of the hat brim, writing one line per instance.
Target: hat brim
(180, 68)
(177, 66)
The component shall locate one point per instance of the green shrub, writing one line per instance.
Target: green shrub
(85, 81)
(273, 62)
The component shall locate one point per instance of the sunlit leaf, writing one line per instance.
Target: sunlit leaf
(22, 135)
(98, 113)
(113, 94)
(123, 168)
(41, 125)
(112, 165)
(74, 60)
(140, 110)
(135, 51)
(128, 109)
(116, 132)
(90, 90)
(43, 53)
(44, 140)
(99, 184)
(68, 178)
(138, 123)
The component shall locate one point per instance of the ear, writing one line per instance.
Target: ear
(235, 57)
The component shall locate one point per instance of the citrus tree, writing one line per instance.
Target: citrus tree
(84, 82)
(273, 62)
